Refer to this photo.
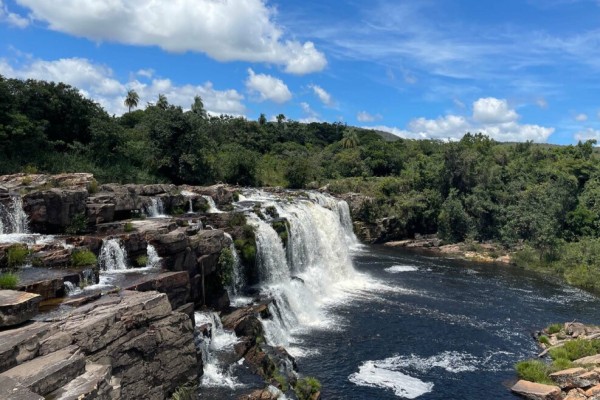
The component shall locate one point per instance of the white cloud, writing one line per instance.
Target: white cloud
(322, 95)
(12, 18)
(310, 114)
(268, 87)
(588, 134)
(98, 83)
(541, 103)
(492, 111)
(363, 116)
(147, 73)
(226, 30)
(491, 117)
(581, 117)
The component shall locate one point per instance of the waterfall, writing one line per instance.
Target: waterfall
(212, 207)
(71, 289)
(239, 280)
(191, 206)
(220, 341)
(113, 256)
(13, 219)
(156, 208)
(153, 258)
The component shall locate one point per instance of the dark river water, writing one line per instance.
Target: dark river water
(450, 329)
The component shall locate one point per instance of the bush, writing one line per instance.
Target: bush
(8, 280)
(128, 227)
(77, 225)
(534, 371)
(579, 348)
(554, 328)
(225, 267)
(93, 186)
(544, 340)
(306, 387)
(82, 258)
(141, 261)
(185, 392)
(17, 255)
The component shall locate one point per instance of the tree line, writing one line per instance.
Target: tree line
(542, 200)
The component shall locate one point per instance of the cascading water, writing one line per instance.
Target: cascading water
(238, 280)
(314, 269)
(212, 207)
(220, 341)
(191, 206)
(153, 258)
(156, 209)
(113, 256)
(13, 218)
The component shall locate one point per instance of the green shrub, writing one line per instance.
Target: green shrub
(77, 225)
(185, 392)
(554, 328)
(17, 255)
(306, 387)
(282, 382)
(128, 227)
(534, 371)
(141, 261)
(93, 186)
(561, 364)
(579, 348)
(225, 267)
(282, 230)
(558, 353)
(8, 280)
(82, 258)
(237, 219)
(544, 340)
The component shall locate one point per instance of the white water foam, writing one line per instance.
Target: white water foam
(156, 208)
(380, 374)
(212, 207)
(13, 219)
(395, 269)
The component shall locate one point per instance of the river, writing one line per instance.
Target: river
(445, 329)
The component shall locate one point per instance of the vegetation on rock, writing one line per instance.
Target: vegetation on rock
(82, 258)
(8, 280)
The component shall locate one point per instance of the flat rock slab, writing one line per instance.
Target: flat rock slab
(537, 391)
(45, 374)
(568, 377)
(13, 390)
(17, 307)
(93, 384)
(588, 360)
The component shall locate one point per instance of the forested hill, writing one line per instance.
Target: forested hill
(546, 197)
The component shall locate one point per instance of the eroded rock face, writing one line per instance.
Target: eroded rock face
(148, 348)
(17, 307)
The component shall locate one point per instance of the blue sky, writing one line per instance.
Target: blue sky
(514, 69)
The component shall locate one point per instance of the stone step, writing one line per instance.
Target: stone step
(45, 374)
(22, 344)
(17, 307)
(94, 383)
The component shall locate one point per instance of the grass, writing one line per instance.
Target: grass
(534, 371)
(17, 255)
(544, 340)
(554, 328)
(141, 261)
(306, 387)
(81, 258)
(128, 227)
(8, 280)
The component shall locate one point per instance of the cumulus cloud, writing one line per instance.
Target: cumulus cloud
(581, 117)
(491, 117)
(226, 30)
(322, 95)
(12, 18)
(268, 87)
(491, 110)
(98, 83)
(588, 134)
(363, 116)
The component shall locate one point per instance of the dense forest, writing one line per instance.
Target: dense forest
(539, 200)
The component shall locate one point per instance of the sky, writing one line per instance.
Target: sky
(514, 70)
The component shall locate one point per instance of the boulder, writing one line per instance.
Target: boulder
(566, 378)
(537, 391)
(575, 394)
(17, 307)
(176, 285)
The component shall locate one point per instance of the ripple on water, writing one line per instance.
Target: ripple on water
(395, 269)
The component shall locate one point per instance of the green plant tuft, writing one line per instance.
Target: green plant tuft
(8, 280)
(306, 387)
(82, 258)
(141, 261)
(185, 392)
(543, 339)
(534, 371)
(225, 267)
(128, 227)
(17, 255)
(554, 328)
(77, 225)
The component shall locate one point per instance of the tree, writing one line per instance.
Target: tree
(131, 100)
(350, 139)
(262, 120)
(198, 107)
(280, 119)
(162, 102)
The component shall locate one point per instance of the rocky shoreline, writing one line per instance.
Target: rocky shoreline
(136, 338)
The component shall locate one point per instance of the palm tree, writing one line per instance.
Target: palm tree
(162, 102)
(132, 99)
(350, 139)
(198, 107)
